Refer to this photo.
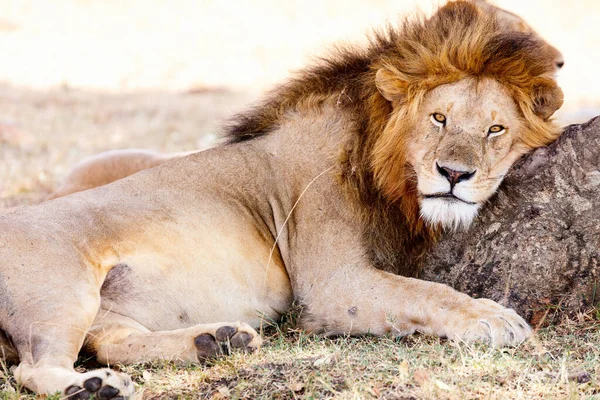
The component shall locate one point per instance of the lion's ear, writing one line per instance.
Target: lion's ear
(547, 98)
(389, 85)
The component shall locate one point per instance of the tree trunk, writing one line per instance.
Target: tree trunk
(536, 245)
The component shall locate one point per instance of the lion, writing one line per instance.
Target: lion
(355, 165)
(113, 165)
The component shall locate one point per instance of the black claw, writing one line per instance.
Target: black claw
(92, 384)
(241, 340)
(206, 347)
(107, 392)
(225, 333)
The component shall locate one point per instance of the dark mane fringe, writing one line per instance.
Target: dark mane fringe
(460, 40)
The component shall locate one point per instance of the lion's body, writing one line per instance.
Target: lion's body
(315, 194)
(140, 228)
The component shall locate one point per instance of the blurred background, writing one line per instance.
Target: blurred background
(82, 76)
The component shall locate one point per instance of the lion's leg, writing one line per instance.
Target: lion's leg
(48, 331)
(356, 300)
(343, 293)
(118, 339)
(46, 367)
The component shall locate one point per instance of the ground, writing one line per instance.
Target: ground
(563, 362)
(42, 133)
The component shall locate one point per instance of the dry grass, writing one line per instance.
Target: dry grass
(562, 363)
(565, 364)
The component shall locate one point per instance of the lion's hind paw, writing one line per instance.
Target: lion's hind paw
(101, 384)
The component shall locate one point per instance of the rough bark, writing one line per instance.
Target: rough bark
(536, 245)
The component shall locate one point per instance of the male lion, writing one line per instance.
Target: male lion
(110, 166)
(347, 169)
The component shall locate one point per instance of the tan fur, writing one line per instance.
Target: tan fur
(320, 188)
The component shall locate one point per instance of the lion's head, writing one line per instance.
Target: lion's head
(468, 98)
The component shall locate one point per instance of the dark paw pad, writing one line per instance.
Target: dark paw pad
(206, 347)
(92, 389)
(241, 340)
(77, 393)
(92, 384)
(107, 392)
(225, 333)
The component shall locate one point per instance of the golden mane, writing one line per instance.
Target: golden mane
(459, 41)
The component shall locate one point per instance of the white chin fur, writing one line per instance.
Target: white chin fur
(451, 215)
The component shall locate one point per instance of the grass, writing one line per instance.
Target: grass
(562, 362)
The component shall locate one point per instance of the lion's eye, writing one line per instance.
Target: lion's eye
(496, 130)
(438, 119)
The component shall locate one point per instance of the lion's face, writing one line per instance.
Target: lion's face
(463, 144)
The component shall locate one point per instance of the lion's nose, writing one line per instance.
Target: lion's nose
(560, 64)
(454, 176)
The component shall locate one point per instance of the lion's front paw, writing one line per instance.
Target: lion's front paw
(487, 321)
